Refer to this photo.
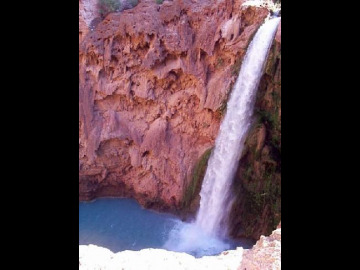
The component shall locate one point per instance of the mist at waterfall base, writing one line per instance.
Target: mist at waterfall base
(207, 234)
(122, 224)
(189, 238)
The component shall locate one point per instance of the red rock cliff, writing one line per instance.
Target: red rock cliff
(152, 81)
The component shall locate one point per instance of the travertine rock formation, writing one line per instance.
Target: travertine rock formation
(93, 257)
(152, 82)
(265, 255)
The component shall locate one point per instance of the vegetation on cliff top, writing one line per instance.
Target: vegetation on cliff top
(107, 6)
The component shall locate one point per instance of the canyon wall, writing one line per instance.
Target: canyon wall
(153, 85)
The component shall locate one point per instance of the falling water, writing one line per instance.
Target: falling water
(210, 224)
(215, 191)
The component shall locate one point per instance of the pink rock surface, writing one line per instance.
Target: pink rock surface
(151, 80)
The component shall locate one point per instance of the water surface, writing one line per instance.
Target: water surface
(122, 224)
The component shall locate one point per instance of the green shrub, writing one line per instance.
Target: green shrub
(134, 2)
(128, 4)
(255, 201)
(159, 2)
(198, 175)
(235, 68)
(107, 6)
(222, 109)
(219, 63)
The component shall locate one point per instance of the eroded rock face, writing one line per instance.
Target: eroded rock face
(151, 82)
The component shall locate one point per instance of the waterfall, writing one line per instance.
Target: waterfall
(203, 236)
(222, 165)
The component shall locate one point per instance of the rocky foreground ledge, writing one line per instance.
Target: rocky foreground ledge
(265, 254)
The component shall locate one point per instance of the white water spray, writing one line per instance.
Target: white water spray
(210, 223)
